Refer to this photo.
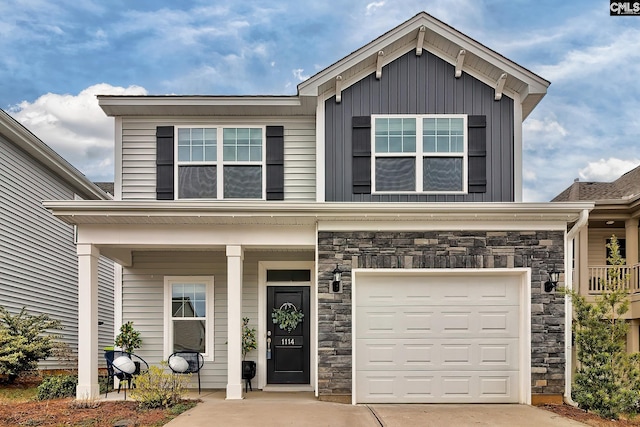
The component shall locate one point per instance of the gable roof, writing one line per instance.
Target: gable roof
(19, 135)
(441, 40)
(423, 31)
(625, 187)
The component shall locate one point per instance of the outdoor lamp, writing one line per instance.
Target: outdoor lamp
(337, 277)
(552, 283)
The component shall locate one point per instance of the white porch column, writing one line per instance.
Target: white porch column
(583, 261)
(234, 322)
(88, 256)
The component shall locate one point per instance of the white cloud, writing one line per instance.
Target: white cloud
(75, 127)
(297, 73)
(606, 170)
(621, 51)
(371, 7)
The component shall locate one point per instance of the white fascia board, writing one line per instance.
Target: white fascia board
(27, 141)
(441, 225)
(74, 211)
(110, 103)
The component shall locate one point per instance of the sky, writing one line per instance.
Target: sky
(56, 56)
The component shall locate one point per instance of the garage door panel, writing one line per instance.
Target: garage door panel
(437, 338)
(425, 321)
(429, 355)
(437, 387)
(437, 290)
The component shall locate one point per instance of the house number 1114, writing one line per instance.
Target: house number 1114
(287, 341)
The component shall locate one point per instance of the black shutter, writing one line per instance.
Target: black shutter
(164, 163)
(477, 127)
(361, 151)
(275, 162)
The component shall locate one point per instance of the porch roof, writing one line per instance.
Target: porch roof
(79, 212)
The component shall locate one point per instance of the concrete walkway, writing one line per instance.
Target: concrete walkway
(303, 410)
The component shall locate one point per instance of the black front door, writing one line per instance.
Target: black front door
(288, 360)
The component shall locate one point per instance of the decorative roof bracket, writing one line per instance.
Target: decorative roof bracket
(500, 86)
(338, 89)
(379, 64)
(459, 62)
(421, 32)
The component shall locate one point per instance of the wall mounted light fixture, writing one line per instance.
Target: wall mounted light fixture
(337, 279)
(552, 283)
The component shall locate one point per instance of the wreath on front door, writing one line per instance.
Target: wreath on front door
(287, 317)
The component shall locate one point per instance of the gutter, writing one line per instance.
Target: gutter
(568, 314)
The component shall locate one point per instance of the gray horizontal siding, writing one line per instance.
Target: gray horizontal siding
(37, 251)
(419, 85)
(139, 152)
(143, 299)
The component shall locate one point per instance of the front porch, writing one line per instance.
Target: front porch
(226, 265)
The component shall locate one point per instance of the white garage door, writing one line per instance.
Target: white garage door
(437, 339)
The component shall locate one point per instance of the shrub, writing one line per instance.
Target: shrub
(24, 341)
(158, 388)
(57, 386)
(607, 378)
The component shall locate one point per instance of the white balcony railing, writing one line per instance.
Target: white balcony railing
(605, 277)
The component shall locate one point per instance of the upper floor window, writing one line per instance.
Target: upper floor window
(419, 154)
(208, 169)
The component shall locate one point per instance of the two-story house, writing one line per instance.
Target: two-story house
(616, 212)
(38, 260)
(382, 201)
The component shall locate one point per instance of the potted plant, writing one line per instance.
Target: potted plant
(128, 339)
(249, 343)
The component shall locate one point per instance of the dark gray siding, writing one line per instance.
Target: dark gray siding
(419, 85)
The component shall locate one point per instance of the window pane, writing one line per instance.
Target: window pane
(395, 135)
(189, 335)
(243, 153)
(229, 153)
(196, 144)
(184, 154)
(243, 182)
(395, 174)
(255, 154)
(382, 144)
(442, 174)
(443, 135)
(288, 275)
(197, 182)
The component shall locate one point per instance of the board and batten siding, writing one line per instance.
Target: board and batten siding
(139, 152)
(39, 264)
(143, 299)
(419, 85)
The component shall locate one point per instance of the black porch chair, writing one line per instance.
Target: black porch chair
(123, 371)
(194, 359)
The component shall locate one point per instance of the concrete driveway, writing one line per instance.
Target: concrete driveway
(302, 409)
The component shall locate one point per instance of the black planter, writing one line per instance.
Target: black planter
(248, 369)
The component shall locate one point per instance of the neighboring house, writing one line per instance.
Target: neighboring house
(38, 259)
(616, 212)
(401, 165)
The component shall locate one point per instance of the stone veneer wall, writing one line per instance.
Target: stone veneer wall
(538, 250)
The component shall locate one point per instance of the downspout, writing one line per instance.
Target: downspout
(568, 314)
